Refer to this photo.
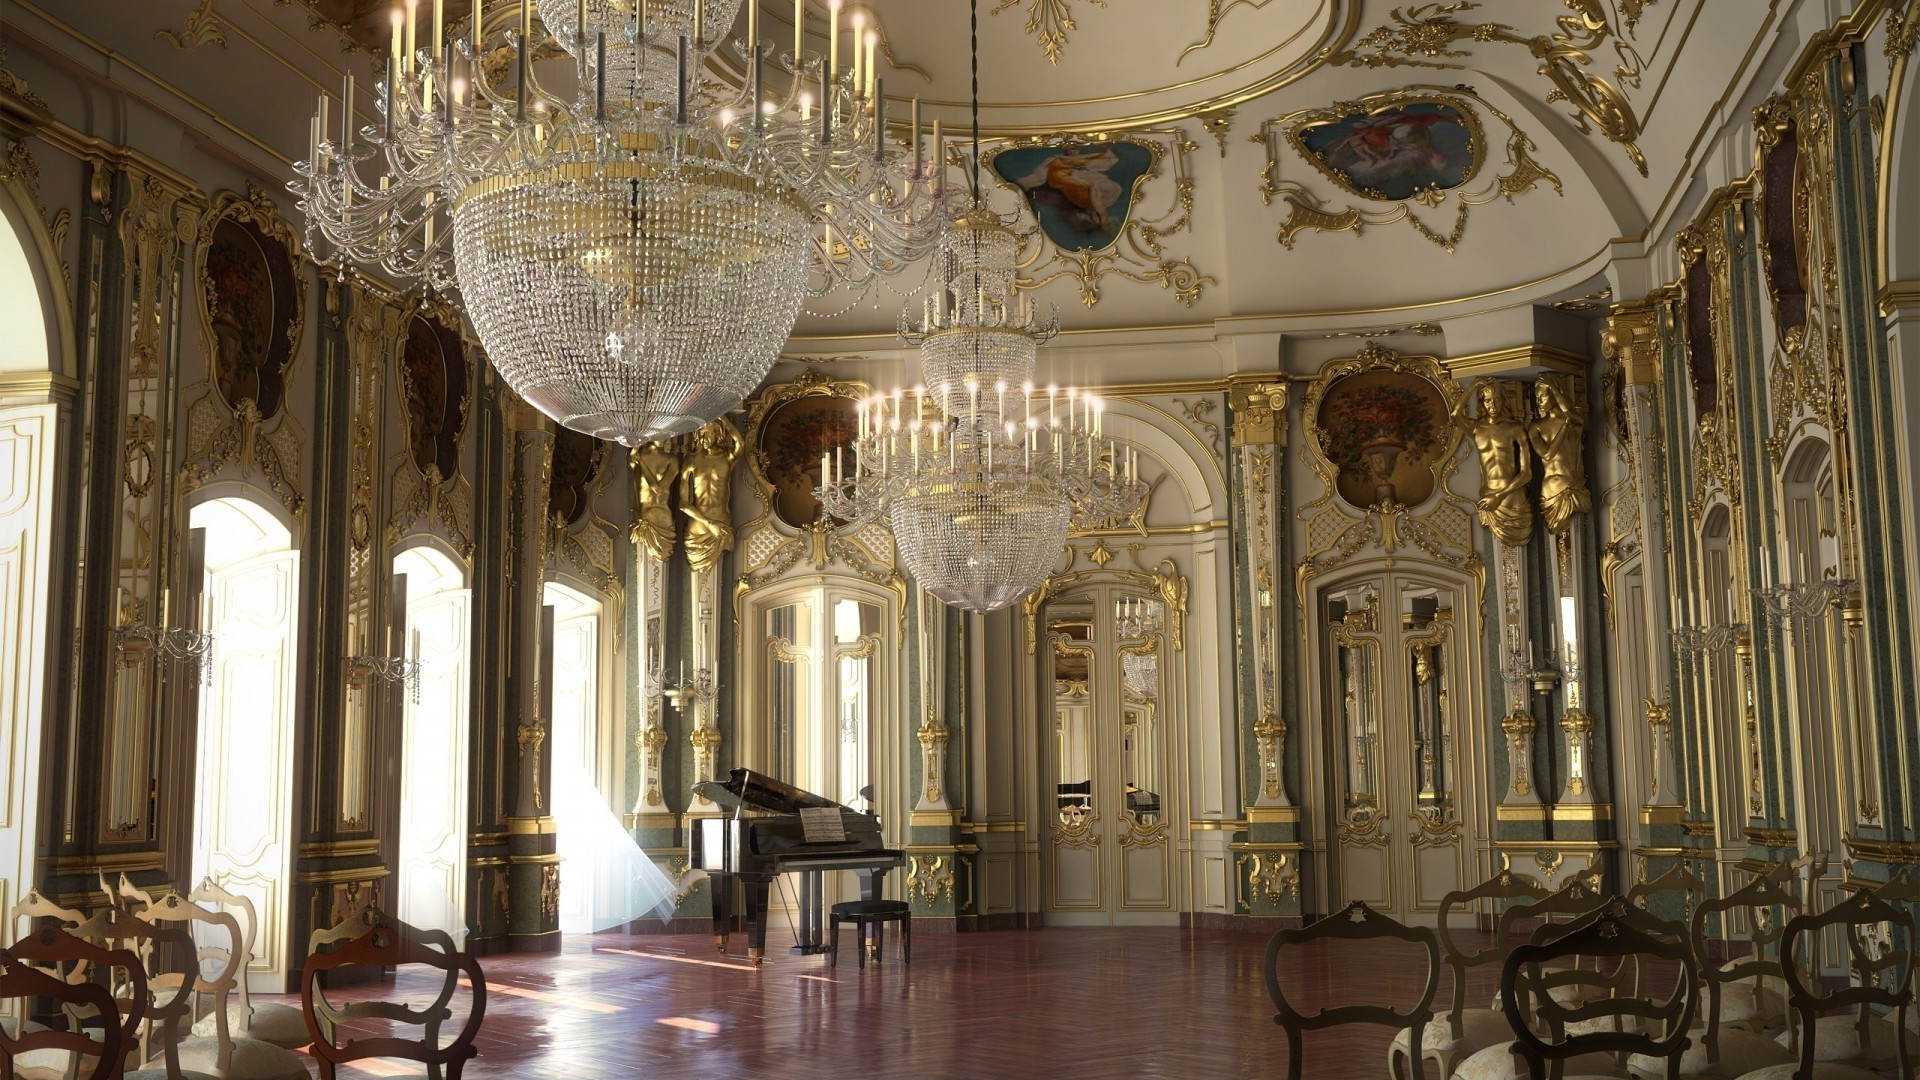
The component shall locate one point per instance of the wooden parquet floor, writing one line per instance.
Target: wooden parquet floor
(1125, 1002)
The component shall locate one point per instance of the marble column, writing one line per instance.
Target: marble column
(533, 874)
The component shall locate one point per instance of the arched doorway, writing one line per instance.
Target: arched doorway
(244, 757)
(575, 726)
(433, 741)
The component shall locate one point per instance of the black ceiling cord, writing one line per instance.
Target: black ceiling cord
(973, 8)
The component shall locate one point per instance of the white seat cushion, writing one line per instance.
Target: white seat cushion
(1835, 1038)
(1825, 1070)
(1498, 1062)
(281, 1025)
(1749, 1006)
(252, 1060)
(1741, 1052)
(1479, 1027)
(161, 1074)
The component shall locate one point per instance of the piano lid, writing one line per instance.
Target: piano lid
(758, 791)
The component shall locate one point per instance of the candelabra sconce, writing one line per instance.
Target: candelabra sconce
(1137, 618)
(1521, 671)
(695, 692)
(1798, 605)
(388, 669)
(1693, 641)
(194, 648)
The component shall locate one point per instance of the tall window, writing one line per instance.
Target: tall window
(575, 743)
(244, 761)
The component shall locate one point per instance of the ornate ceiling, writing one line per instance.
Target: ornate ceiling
(1336, 163)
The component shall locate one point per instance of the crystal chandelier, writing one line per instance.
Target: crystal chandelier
(978, 473)
(632, 248)
(1135, 618)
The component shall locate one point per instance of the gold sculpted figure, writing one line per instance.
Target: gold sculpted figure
(706, 493)
(1559, 437)
(655, 466)
(1506, 465)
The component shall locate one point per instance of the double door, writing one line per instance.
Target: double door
(1109, 787)
(1393, 690)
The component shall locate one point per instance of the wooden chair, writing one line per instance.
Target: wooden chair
(165, 956)
(278, 1024)
(225, 966)
(1357, 923)
(428, 1018)
(389, 943)
(1678, 884)
(23, 983)
(1613, 1024)
(1809, 997)
(1572, 901)
(69, 956)
(1462, 1030)
(1729, 1004)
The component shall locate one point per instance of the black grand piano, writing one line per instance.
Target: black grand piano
(775, 828)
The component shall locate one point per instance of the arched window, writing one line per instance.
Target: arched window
(244, 758)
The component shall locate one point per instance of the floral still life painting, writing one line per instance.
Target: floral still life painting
(1383, 431)
(1080, 195)
(792, 439)
(1396, 152)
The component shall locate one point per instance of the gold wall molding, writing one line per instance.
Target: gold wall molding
(1896, 852)
(1309, 212)
(1047, 22)
(1529, 357)
(201, 28)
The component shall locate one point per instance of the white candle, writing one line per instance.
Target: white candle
(479, 21)
(833, 55)
(440, 23)
(859, 27)
(412, 28)
(399, 54)
(873, 41)
(799, 35)
(826, 471)
(753, 23)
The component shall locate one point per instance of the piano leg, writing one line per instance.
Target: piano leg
(720, 887)
(810, 932)
(755, 913)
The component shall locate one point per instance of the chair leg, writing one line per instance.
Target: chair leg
(906, 939)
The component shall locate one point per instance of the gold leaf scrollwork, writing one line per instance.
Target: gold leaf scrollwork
(1309, 212)
(550, 891)
(1074, 828)
(1142, 834)
(202, 27)
(1272, 877)
(1048, 22)
(930, 879)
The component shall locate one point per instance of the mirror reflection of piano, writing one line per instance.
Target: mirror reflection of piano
(776, 828)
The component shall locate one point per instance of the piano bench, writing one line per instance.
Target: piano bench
(865, 913)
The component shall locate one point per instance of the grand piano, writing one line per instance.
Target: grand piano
(775, 828)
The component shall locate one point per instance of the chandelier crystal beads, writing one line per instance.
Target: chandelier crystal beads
(633, 249)
(978, 473)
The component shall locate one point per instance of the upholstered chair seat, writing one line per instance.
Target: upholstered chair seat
(1741, 1052)
(1480, 1028)
(252, 1059)
(1837, 1038)
(281, 1025)
(1500, 1062)
(1825, 1070)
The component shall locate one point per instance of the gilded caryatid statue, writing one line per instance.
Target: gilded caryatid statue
(1559, 437)
(1506, 460)
(655, 466)
(706, 493)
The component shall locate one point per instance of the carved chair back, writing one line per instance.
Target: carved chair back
(212, 896)
(216, 966)
(1886, 983)
(164, 989)
(1357, 922)
(23, 983)
(387, 943)
(1506, 885)
(1619, 936)
(71, 955)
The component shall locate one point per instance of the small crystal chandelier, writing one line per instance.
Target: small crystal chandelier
(978, 473)
(633, 250)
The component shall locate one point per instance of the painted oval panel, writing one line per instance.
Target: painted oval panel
(247, 285)
(577, 458)
(792, 438)
(433, 389)
(1080, 195)
(1396, 152)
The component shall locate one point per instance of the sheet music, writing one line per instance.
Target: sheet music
(823, 824)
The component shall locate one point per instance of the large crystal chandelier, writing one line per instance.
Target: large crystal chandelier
(978, 473)
(632, 246)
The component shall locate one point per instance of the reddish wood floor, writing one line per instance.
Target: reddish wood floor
(1130, 1003)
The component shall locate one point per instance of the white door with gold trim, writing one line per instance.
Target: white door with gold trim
(1391, 662)
(1108, 789)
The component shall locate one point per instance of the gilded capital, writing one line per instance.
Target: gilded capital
(1632, 340)
(1259, 413)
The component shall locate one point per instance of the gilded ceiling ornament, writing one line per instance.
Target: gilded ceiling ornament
(1083, 194)
(1048, 21)
(1423, 329)
(201, 28)
(1421, 144)
(1423, 35)
(1903, 30)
